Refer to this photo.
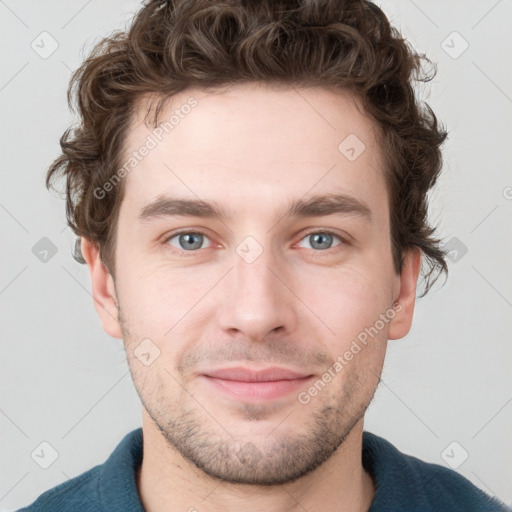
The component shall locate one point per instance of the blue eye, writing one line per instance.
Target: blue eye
(322, 240)
(188, 241)
(192, 241)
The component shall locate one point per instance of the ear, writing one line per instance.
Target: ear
(406, 295)
(103, 290)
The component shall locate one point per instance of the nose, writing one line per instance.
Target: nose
(256, 299)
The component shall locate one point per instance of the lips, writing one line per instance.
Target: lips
(246, 375)
(255, 385)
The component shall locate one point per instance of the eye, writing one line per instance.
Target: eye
(187, 240)
(322, 240)
(192, 241)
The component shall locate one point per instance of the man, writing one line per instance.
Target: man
(255, 246)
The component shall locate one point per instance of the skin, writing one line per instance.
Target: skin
(252, 148)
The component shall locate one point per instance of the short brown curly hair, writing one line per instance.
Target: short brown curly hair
(176, 44)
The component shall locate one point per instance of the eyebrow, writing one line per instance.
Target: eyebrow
(315, 206)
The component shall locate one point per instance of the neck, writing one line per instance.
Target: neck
(168, 482)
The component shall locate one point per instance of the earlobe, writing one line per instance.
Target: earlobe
(401, 323)
(103, 290)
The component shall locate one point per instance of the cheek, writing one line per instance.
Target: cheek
(347, 301)
(157, 302)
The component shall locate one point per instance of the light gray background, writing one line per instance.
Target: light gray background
(66, 382)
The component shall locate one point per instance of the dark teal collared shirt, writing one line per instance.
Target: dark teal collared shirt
(403, 484)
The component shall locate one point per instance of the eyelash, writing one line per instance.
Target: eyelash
(186, 254)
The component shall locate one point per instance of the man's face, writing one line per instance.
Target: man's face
(206, 303)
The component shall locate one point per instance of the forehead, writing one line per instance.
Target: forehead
(276, 140)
